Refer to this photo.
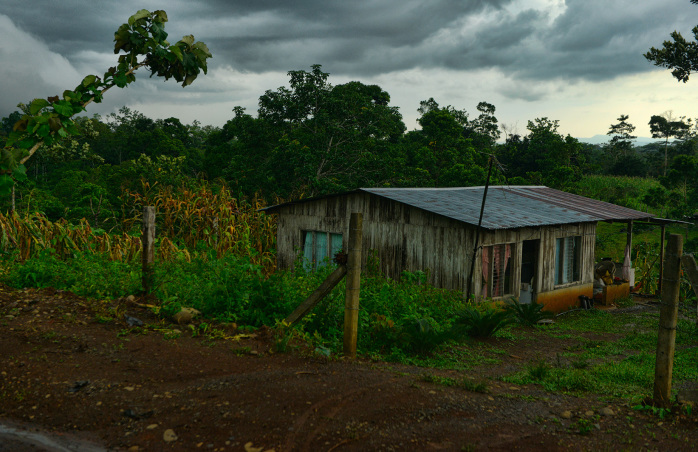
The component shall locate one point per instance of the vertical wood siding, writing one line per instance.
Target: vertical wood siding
(405, 238)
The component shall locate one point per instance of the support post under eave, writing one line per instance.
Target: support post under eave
(351, 300)
(627, 261)
(661, 259)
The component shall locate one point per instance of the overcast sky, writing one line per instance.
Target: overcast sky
(578, 61)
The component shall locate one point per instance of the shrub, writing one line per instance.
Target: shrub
(420, 337)
(539, 371)
(528, 313)
(475, 322)
(231, 288)
(87, 274)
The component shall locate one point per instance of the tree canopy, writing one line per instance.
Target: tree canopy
(141, 42)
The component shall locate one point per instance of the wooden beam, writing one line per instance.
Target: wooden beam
(321, 292)
(668, 315)
(351, 304)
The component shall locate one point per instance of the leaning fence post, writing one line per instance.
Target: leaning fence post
(351, 303)
(148, 240)
(668, 315)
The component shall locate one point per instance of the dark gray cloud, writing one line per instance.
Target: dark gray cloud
(527, 41)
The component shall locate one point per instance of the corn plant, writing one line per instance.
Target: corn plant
(213, 218)
(31, 234)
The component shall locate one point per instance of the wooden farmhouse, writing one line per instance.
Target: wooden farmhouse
(534, 242)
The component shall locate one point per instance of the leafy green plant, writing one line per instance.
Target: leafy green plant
(584, 426)
(143, 41)
(88, 274)
(473, 386)
(660, 412)
(539, 371)
(527, 313)
(483, 322)
(421, 337)
(580, 363)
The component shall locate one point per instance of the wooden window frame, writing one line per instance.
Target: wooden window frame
(568, 250)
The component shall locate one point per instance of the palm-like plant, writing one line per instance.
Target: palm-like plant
(527, 313)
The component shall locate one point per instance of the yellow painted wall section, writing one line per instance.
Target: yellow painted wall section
(565, 298)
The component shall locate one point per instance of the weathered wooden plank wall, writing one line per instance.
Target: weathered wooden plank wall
(408, 238)
(403, 237)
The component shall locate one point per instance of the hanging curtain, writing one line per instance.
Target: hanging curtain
(485, 271)
(321, 252)
(506, 274)
(308, 248)
(558, 261)
(497, 275)
(335, 244)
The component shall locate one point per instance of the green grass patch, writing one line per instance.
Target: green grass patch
(618, 367)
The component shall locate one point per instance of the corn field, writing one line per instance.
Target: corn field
(185, 220)
(198, 216)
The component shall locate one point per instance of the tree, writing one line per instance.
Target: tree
(483, 130)
(621, 142)
(666, 126)
(331, 138)
(142, 42)
(679, 55)
(544, 156)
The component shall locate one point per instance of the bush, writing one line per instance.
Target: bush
(87, 274)
(483, 322)
(230, 288)
(529, 313)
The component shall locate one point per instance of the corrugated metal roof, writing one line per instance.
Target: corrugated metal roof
(509, 207)
(506, 207)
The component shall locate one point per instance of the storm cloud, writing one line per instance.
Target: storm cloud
(529, 49)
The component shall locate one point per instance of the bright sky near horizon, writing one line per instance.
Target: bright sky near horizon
(578, 61)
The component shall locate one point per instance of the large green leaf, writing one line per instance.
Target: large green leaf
(121, 39)
(6, 184)
(159, 33)
(204, 48)
(161, 15)
(188, 40)
(20, 173)
(142, 14)
(36, 106)
(63, 108)
(177, 51)
(89, 80)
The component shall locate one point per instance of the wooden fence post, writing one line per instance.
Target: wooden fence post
(668, 315)
(351, 303)
(148, 240)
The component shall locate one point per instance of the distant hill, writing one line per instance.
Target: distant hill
(602, 139)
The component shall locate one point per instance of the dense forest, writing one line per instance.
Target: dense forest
(312, 137)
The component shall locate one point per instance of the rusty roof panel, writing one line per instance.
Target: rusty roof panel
(509, 207)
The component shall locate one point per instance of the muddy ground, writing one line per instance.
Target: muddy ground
(71, 379)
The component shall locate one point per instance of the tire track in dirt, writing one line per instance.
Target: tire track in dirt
(342, 399)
